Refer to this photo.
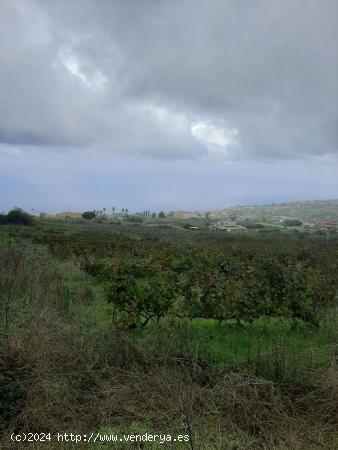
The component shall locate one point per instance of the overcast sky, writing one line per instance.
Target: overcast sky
(158, 104)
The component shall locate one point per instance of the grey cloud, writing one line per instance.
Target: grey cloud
(268, 69)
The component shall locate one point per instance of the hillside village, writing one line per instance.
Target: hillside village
(307, 216)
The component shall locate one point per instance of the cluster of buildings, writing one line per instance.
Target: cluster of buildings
(230, 225)
(227, 225)
(326, 225)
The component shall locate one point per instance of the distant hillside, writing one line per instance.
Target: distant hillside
(306, 210)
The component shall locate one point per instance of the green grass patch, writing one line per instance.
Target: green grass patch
(272, 349)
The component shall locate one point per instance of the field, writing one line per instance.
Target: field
(229, 339)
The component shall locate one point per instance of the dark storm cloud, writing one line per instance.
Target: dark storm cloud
(134, 76)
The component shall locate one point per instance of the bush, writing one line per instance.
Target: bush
(19, 217)
(89, 215)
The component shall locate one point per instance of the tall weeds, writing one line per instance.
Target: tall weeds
(65, 366)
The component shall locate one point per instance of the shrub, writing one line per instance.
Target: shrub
(89, 215)
(19, 217)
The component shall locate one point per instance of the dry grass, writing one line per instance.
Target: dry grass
(60, 392)
(54, 377)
